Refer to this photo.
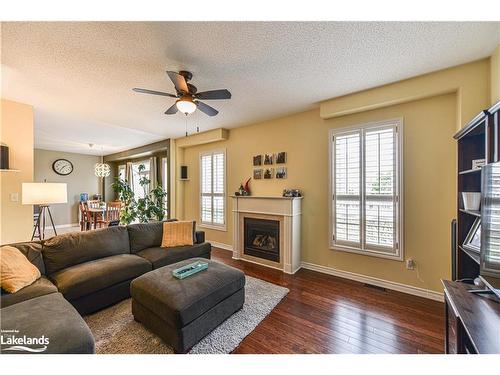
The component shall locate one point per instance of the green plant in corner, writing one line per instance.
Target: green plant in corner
(151, 206)
(125, 194)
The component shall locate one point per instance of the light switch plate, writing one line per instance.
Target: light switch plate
(14, 197)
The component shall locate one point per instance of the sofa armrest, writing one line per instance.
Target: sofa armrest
(199, 236)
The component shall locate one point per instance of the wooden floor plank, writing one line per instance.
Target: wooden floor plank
(328, 314)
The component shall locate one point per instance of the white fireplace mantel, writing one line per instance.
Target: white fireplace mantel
(286, 210)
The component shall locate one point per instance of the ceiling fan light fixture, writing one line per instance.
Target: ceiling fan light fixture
(186, 105)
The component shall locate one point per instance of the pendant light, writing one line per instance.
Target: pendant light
(101, 169)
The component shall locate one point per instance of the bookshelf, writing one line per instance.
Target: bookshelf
(479, 139)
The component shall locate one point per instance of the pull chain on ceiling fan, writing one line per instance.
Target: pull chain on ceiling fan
(188, 97)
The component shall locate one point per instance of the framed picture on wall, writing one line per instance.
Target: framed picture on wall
(257, 160)
(268, 159)
(257, 174)
(281, 172)
(281, 157)
(268, 173)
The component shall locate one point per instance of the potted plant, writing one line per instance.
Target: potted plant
(149, 207)
(125, 194)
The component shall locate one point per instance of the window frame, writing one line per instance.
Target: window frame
(373, 250)
(164, 160)
(212, 225)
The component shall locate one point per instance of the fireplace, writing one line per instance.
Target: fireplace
(262, 238)
(276, 216)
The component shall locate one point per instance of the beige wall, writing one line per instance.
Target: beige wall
(429, 184)
(471, 83)
(432, 106)
(81, 180)
(16, 131)
(495, 76)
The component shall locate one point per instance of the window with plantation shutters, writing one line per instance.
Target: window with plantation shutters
(212, 188)
(366, 189)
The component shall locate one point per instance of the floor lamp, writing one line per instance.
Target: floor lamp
(43, 194)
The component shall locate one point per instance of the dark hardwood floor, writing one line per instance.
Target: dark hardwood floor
(328, 314)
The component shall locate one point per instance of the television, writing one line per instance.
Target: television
(489, 266)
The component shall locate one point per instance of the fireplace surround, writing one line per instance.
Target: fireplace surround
(266, 231)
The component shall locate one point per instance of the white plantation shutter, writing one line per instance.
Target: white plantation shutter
(212, 181)
(348, 188)
(365, 189)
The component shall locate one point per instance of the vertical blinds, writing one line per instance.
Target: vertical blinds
(365, 189)
(212, 202)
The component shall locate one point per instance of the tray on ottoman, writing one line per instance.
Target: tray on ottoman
(182, 312)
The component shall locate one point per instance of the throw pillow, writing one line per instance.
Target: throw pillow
(177, 233)
(16, 270)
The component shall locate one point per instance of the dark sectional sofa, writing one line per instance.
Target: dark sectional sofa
(91, 270)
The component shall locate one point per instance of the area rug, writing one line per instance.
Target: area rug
(116, 332)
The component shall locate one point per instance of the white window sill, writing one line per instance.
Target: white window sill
(221, 228)
(372, 253)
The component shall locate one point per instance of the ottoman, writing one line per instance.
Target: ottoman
(182, 312)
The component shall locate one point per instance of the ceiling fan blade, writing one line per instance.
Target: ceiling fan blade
(213, 95)
(179, 81)
(172, 110)
(206, 109)
(146, 91)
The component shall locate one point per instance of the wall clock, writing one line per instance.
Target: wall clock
(62, 167)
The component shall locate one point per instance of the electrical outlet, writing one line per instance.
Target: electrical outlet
(410, 264)
(14, 197)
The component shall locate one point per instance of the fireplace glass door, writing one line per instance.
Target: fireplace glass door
(262, 238)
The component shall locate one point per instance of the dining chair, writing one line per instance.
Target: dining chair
(93, 203)
(112, 214)
(85, 217)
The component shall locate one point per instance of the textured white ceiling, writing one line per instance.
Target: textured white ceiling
(79, 76)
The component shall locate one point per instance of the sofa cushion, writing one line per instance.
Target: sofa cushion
(39, 288)
(145, 235)
(86, 278)
(160, 256)
(16, 271)
(71, 249)
(178, 233)
(32, 251)
(48, 317)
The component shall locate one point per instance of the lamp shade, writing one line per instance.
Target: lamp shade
(44, 193)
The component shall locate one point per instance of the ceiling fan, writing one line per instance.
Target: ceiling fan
(188, 97)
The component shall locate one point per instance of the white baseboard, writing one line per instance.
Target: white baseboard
(67, 225)
(408, 289)
(416, 291)
(221, 245)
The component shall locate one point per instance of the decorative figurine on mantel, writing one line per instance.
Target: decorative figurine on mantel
(291, 193)
(244, 189)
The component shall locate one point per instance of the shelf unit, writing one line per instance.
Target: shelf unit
(479, 139)
(470, 171)
(471, 212)
(470, 253)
